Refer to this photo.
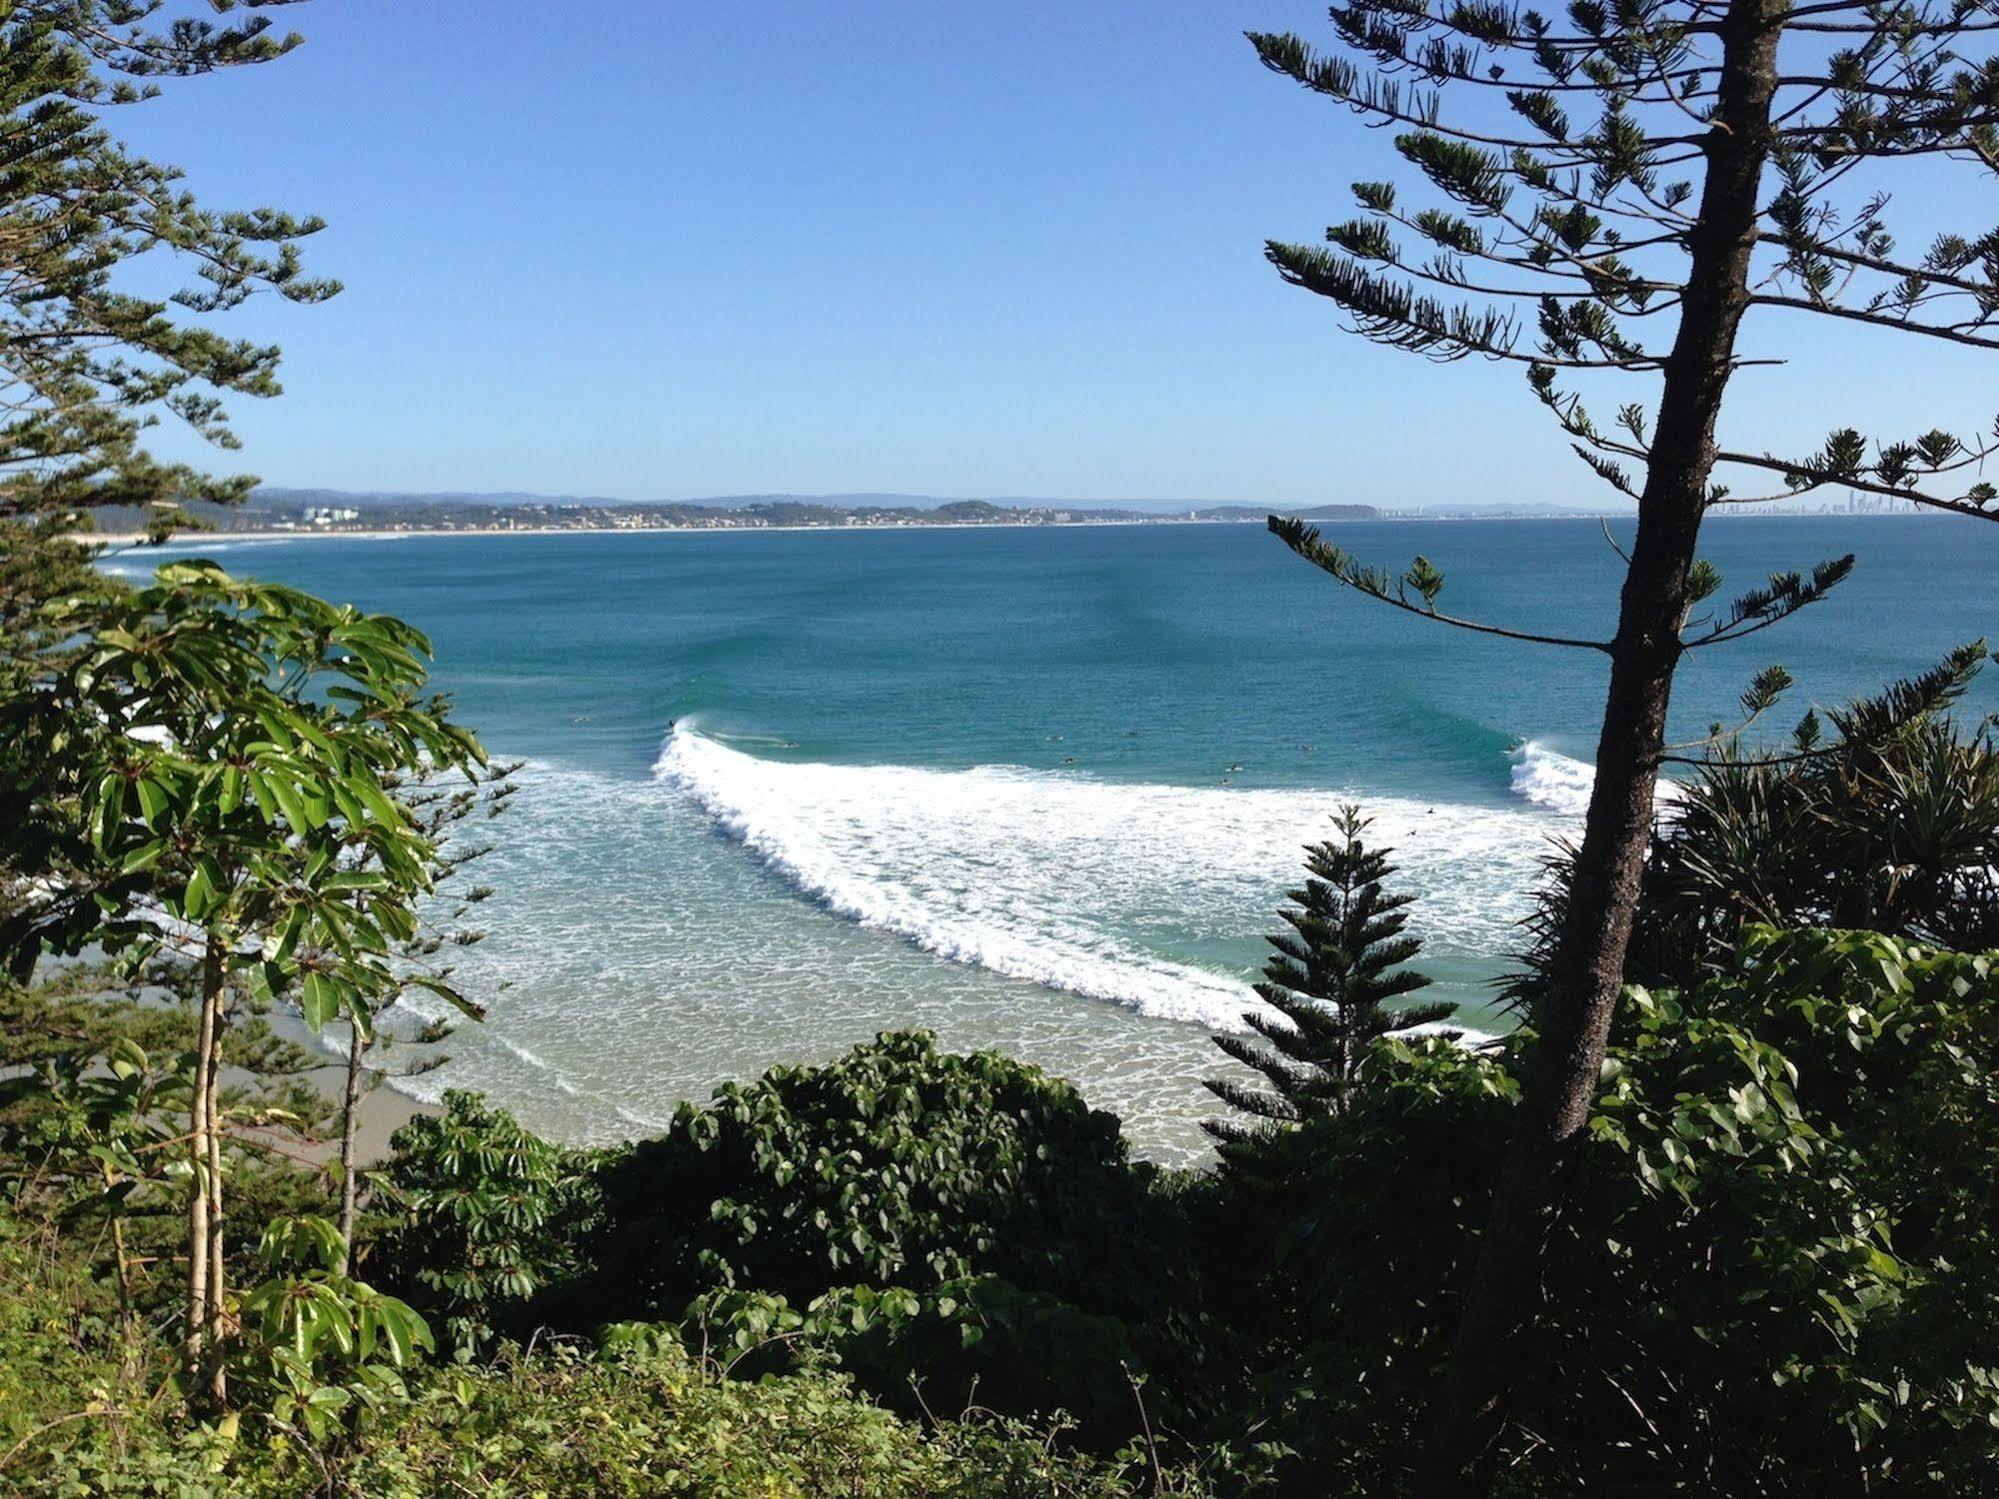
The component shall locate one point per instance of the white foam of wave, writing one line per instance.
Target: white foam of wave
(1563, 785)
(1060, 879)
(1552, 780)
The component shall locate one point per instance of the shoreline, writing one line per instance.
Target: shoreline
(382, 1111)
(182, 538)
(193, 537)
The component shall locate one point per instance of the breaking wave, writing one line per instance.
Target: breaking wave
(1551, 780)
(1096, 887)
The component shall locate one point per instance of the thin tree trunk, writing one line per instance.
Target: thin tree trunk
(350, 1128)
(198, 1189)
(217, 1287)
(128, 1318)
(1588, 969)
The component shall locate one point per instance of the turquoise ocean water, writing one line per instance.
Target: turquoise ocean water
(1036, 789)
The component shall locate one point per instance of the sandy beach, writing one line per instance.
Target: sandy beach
(382, 1111)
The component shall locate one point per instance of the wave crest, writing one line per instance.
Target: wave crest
(1563, 785)
(1552, 780)
(1100, 888)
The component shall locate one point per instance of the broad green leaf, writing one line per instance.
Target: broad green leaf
(320, 997)
(108, 812)
(152, 799)
(143, 857)
(203, 888)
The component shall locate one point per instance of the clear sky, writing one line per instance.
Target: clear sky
(667, 250)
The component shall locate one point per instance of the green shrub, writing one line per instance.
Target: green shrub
(935, 1224)
(649, 1420)
(640, 1418)
(1791, 1168)
(980, 1341)
(896, 1165)
(484, 1217)
(317, 1350)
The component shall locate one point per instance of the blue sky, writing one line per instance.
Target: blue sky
(687, 250)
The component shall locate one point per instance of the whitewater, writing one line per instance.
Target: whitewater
(1077, 883)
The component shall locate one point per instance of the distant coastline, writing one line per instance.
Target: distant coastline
(411, 531)
(285, 514)
(400, 533)
(331, 512)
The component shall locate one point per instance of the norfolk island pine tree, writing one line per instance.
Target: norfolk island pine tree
(1640, 178)
(1338, 981)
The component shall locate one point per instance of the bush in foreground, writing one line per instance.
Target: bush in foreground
(640, 1417)
(485, 1216)
(1776, 1279)
(942, 1226)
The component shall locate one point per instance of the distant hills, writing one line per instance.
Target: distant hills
(332, 510)
(275, 497)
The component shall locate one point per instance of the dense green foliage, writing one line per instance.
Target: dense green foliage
(1784, 1212)
(965, 1221)
(482, 1218)
(638, 1417)
(895, 1165)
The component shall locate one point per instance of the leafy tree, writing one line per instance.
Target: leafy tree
(1636, 181)
(210, 779)
(1335, 982)
(486, 1218)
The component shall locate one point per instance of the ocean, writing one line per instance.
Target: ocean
(1035, 789)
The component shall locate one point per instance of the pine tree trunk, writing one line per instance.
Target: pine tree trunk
(198, 1187)
(350, 1120)
(1588, 969)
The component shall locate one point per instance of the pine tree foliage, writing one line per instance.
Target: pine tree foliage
(1572, 205)
(1571, 199)
(1334, 985)
(87, 364)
